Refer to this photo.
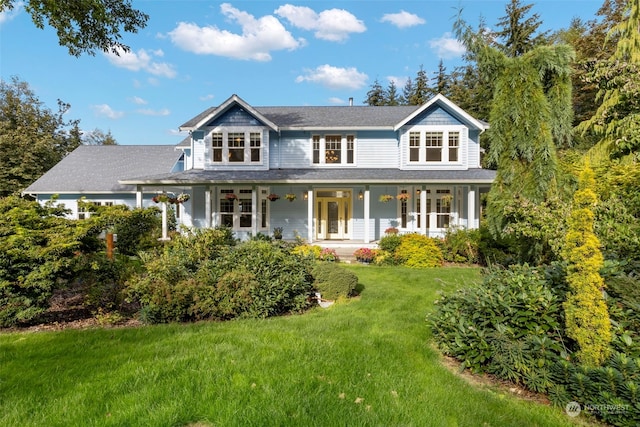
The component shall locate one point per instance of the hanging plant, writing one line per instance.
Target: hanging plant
(273, 197)
(446, 200)
(230, 196)
(385, 198)
(183, 197)
(160, 198)
(403, 196)
(290, 197)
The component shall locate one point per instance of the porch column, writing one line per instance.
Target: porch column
(138, 196)
(207, 207)
(471, 208)
(254, 211)
(367, 214)
(214, 206)
(423, 211)
(310, 215)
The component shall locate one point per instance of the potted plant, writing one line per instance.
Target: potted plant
(277, 233)
(273, 197)
(290, 197)
(385, 198)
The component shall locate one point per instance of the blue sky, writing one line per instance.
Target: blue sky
(194, 54)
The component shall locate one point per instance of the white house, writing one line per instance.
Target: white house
(351, 171)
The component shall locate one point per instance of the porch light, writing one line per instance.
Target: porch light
(305, 195)
(360, 195)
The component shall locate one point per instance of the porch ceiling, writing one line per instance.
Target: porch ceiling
(318, 176)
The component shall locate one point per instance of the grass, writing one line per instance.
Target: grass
(359, 363)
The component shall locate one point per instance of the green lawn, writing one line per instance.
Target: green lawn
(365, 362)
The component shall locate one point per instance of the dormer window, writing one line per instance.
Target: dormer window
(236, 147)
(333, 149)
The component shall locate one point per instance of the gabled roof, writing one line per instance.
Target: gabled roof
(210, 114)
(452, 108)
(98, 168)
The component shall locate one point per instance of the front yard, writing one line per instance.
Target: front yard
(364, 362)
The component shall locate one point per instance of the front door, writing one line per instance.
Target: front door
(333, 216)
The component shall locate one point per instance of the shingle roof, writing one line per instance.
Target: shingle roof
(325, 117)
(317, 176)
(98, 168)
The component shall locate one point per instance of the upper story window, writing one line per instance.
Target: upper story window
(236, 147)
(333, 149)
(434, 146)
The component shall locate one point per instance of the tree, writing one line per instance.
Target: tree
(407, 90)
(442, 80)
(421, 91)
(586, 314)
(617, 120)
(98, 137)
(376, 95)
(391, 94)
(518, 31)
(531, 108)
(32, 137)
(85, 26)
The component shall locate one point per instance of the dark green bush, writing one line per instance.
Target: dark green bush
(461, 245)
(333, 281)
(390, 242)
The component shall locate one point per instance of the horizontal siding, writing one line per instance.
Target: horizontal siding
(377, 150)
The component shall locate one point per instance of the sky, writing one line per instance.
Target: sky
(194, 54)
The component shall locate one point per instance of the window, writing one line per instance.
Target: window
(454, 144)
(216, 147)
(333, 149)
(414, 146)
(404, 211)
(443, 208)
(433, 142)
(85, 212)
(237, 210)
(429, 146)
(245, 208)
(236, 147)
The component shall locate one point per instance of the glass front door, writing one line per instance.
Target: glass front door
(333, 215)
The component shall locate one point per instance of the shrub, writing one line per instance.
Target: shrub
(334, 281)
(390, 242)
(418, 251)
(461, 245)
(488, 327)
(365, 254)
(310, 251)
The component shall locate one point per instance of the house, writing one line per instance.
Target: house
(321, 173)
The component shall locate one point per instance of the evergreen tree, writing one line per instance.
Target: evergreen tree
(98, 137)
(32, 137)
(531, 97)
(85, 26)
(518, 31)
(616, 122)
(442, 80)
(421, 91)
(376, 95)
(407, 91)
(391, 94)
(586, 314)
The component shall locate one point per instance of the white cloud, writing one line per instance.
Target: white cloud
(333, 24)
(334, 77)
(104, 110)
(206, 97)
(142, 60)
(8, 14)
(399, 81)
(258, 39)
(138, 100)
(403, 19)
(336, 101)
(150, 112)
(447, 46)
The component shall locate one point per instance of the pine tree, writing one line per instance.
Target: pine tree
(518, 31)
(407, 91)
(442, 80)
(376, 95)
(391, 94)
(421, 91)
(586, 314)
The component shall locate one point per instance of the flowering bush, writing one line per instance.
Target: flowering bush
(364, 254)
(328, 254)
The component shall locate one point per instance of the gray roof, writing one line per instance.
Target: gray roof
(325, 117)
(99, 168)
(321, 176)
